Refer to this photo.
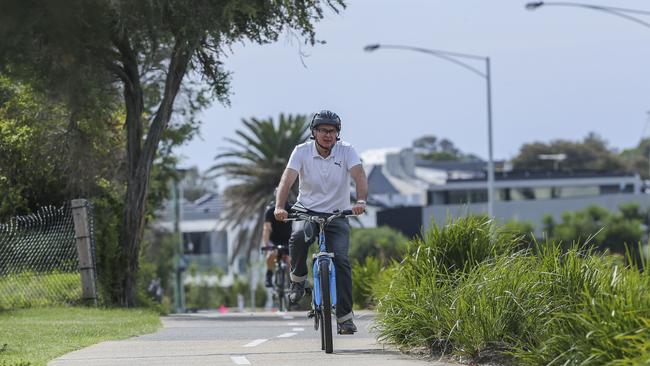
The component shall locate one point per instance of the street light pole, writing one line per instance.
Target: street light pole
(490, 170)
(179, 262)
(620, 12)
(453, 57)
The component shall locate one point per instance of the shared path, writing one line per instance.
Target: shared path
(263, 338)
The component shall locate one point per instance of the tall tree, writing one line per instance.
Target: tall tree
(144, 49)
(255, 164)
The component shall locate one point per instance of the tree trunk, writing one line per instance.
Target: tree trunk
(140, 158)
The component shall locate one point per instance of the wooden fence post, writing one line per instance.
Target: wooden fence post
(84, 250)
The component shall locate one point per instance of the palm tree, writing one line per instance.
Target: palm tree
(254, 164)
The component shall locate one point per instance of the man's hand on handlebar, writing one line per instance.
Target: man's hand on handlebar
(359, 208)
(280, 214)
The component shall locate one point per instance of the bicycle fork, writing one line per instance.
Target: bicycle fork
(323, 256)
(318, 298)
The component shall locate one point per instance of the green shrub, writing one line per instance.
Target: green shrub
(599, 227)
(383, 243)
(202, 294)
(364, 277)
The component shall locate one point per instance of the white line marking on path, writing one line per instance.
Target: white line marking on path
(256, 342)
(293, 323)
(240, 360)
(287, 335)
(287, 317)
(298, 329)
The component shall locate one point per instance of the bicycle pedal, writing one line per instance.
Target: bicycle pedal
(311, 314)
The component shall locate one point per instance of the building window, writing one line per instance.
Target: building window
(466, 196)
(196, 243)
(617, 188)
(503, 194)
(543, 193)
(520, 194)
(578, 191)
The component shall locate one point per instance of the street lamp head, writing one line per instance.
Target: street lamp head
(371, 47)
(534, 5)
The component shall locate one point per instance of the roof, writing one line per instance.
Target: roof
(472, 165)
(378, 183)
(524, 175)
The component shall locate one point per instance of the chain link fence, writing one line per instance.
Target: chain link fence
(39, 262)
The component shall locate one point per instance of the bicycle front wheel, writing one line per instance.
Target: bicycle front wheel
(326, 306)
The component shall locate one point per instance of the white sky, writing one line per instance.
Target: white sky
(558, 72)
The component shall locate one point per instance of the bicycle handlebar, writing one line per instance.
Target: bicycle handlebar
(273, 247)
(302, 216)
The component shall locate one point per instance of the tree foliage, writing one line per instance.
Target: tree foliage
(590, 154)
(255, 163)
(637, 158)
(429, 147)
(85, 50)
(50, 155)
(599, 227)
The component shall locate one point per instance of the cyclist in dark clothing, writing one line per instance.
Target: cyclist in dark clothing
(277, 233)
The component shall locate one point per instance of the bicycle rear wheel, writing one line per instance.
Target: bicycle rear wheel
(326, 307)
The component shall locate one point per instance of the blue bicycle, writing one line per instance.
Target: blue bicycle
(324, 291)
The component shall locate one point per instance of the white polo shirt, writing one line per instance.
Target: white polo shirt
(324, 182)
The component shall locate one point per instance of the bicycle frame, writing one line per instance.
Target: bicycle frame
(323, 304)
(323, 256)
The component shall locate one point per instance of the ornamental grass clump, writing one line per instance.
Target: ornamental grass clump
(415, 300)
(545, 306)
(462, 243)
(601, 316)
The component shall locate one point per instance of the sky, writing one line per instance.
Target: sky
(557, 73)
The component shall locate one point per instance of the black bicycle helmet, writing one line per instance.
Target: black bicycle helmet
(326, 117)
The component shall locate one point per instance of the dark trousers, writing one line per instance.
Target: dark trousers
(337, 240)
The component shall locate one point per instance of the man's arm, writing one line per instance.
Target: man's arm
(288, 178)
(266, 233)
(361, 183)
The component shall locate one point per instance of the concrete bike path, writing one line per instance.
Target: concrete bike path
(270, 339)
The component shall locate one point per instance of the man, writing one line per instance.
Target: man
(324, 166)
(277, 233)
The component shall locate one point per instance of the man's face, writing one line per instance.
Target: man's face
(325, 135)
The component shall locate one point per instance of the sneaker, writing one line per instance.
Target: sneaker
(346, 327)
(296, 291)
(268, 282)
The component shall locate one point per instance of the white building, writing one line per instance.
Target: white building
(530, 197)
(207, 240)
(409, 189)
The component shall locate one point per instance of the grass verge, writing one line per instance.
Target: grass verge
(30, 289)
(37, 335)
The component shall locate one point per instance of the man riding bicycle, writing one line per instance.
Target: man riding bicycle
(324, 166)
(277, 233)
